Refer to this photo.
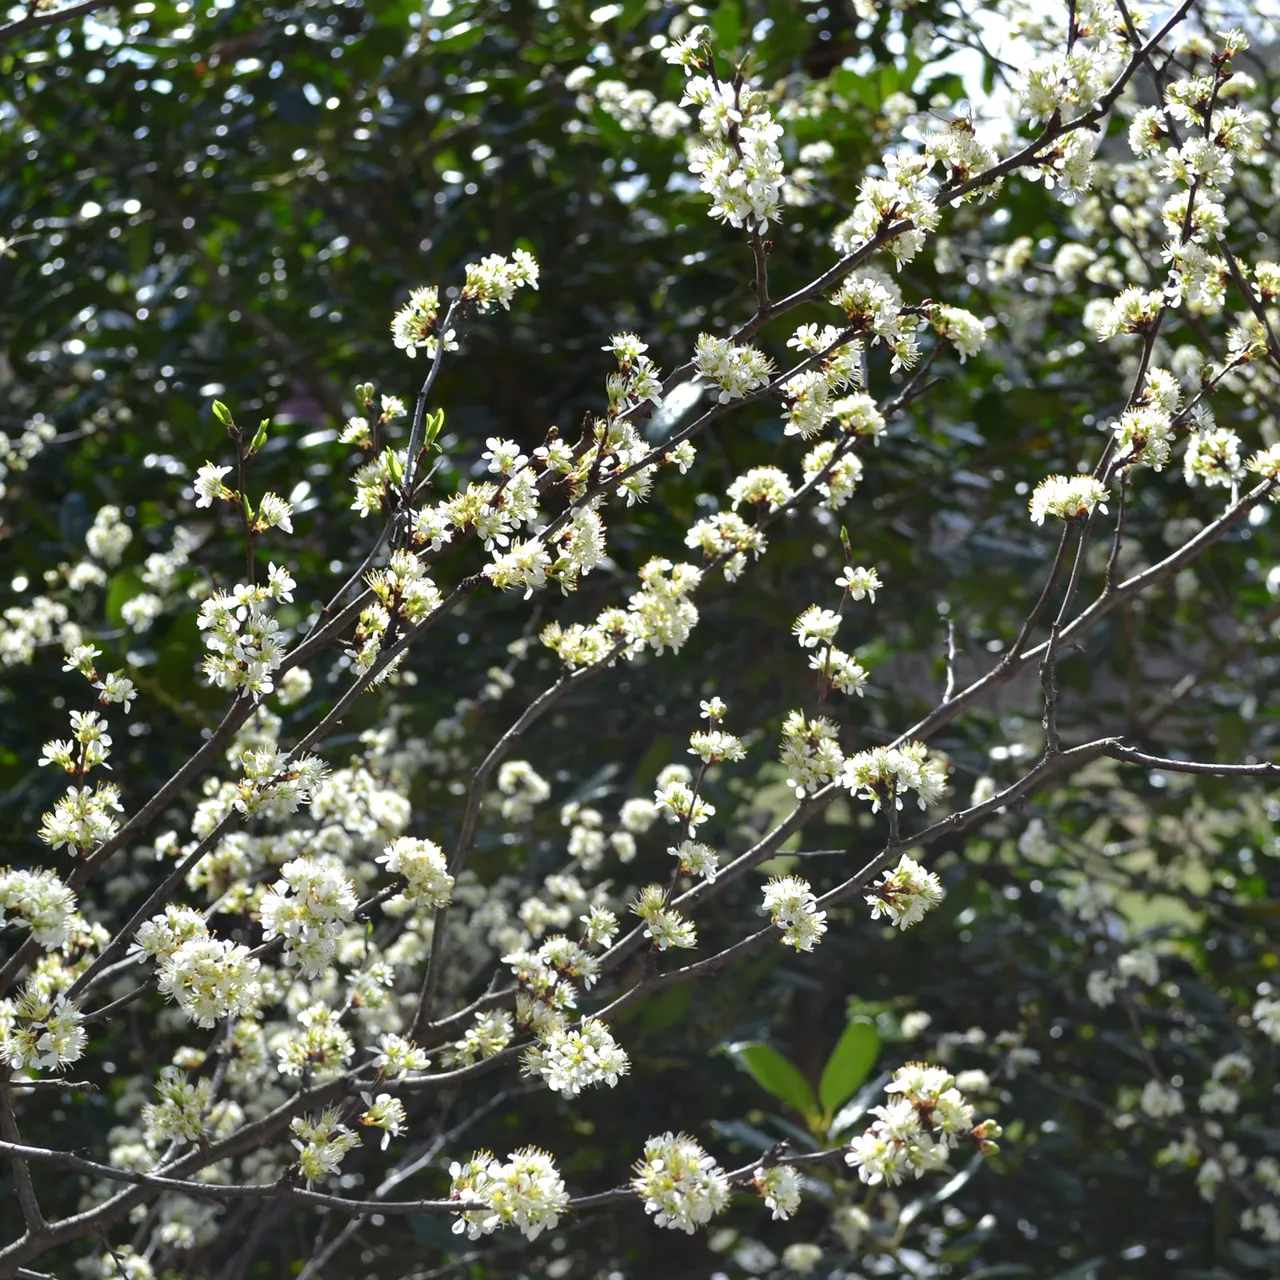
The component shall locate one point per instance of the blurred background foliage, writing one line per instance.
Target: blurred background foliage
(231, 200)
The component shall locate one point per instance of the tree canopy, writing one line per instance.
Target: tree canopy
(457, 457)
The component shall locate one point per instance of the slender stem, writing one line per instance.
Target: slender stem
(22, 1185)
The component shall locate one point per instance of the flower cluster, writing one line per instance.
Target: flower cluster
(779, 1186)
(666, 926)
(82, 818)
(737, 370)
(916, 1132)
(321, 1142)
(243, 640)
(905, 894)
(810, 752)
(739, 164)
(680, 1184)
(307, 907)
(1067, 497)
(494, 280)
(570, 1060)
(888, 773)
(793, 908)
(873, 306)
(414, 326)
(40, 1029)
(527, 1192)
(422, 863)
(41, 901)
(210, 978)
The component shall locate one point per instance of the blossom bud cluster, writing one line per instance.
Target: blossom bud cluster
(42, 902)
(793, 908)
(526, 1192)
(571, 1059)
(307, 907)
(680, 1184)
(321, 1142)
(888, 773)
(423, 866)
(40, 1029)
(905, 894)
(210, 978)
(916, 1132)
(739, 164)
(243, 640)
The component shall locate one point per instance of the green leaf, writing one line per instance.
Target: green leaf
(222, 413)
(849, 1064)
(774, 1074)
(261, 438)
(435, 424)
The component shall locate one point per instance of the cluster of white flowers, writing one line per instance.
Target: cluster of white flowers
(1160, 1100)
(321, 1142)
(779, 1186)
(181, 1111)
(961, 328)
(810, 752)
(811, 396)
(522, 788)
(210, 978)
(40, 1029)
(696, 859)
(916, 1132)
(386, 1113)
(16, 452)
(493, 280)
(736, 369)
(398, 1056)
(905, 894)
(835, 471)
(318, 1046)
(42, 902)
(570, 1060)
(793, 908)
(414, 327)
(82, 818)
(903, 199)
(1067, 497)
(1266, 1016)
(889, 773)
(636, 110)
(490, 1033)
(274, 784)
(307, 907)
(1213, 456)
(527, 1192)
(108, 536)
(873, 307)
(243, 640)
(665, 925)
(422, 863)
(739, 164)
(26, 628)
(680, 1184)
